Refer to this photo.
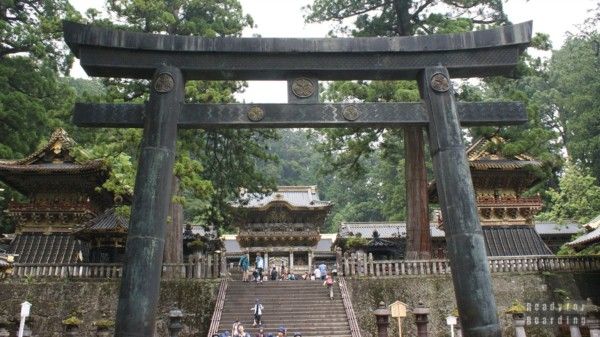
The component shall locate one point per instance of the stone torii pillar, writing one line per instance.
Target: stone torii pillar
(478, 312)
(140, 283)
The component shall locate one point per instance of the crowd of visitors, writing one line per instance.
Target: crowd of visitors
(239, 331)
(320, 272)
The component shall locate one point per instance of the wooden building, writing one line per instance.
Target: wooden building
(285, 226)
(387, 240)
(506, 215)
(61, 194)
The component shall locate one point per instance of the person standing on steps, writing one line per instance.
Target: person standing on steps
(244, 265)
(257, 310)
(329, 283)
(323, 270)
(260, 333)
(317, 273)
(260, 264)
(241, 332)
(234, 328)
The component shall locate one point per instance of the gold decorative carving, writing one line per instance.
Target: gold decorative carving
(164, 83)
(256, 114)
(303, 87)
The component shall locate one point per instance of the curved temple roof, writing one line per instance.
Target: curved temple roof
(108, 52)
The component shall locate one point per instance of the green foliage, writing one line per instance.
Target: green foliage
(122, 172)
(208, 18)
(32, 104)
(566, 251)
(405, 17)
(372, 160)
(72, 320)
(34, 28)
(32, 100)
(516, 308)
(577, 197)
(354, 242)
(230, 156)
(590, 250)
(575, 87)
(104, 323)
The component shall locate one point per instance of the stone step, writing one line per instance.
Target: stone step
(300, 306)
(304, 333)
(283, 311)
(291, 325)
(289, 318)
(304, 329)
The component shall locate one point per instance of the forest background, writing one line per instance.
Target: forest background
(360, 170)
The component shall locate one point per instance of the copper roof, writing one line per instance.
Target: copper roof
(54, 159)
(386, 230)
(584, 240)
(553, 228)
(46, 248)
(302, 197)
(480, 156)
(107, 222)
(513, 240)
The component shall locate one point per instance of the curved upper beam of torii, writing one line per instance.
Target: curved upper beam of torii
(117, 53)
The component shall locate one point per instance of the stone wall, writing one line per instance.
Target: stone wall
(53, 301)
(436, 292)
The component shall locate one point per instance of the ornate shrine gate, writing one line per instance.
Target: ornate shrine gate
(170, 60)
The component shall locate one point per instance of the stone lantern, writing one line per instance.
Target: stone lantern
(382, 316)
(422, 319)
(175, 325)
(593, 318)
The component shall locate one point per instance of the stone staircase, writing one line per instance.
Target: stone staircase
(300, 306)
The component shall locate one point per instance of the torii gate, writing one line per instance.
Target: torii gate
(171, 60)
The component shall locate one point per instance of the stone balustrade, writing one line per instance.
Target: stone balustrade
(364, 265)
(206, 268)
(354, 265)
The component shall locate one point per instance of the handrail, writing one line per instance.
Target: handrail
(354, 329)
(216, 318)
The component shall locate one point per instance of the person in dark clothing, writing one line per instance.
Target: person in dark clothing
(273, 274)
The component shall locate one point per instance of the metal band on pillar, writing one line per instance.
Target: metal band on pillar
(470, 272)
(140, 284)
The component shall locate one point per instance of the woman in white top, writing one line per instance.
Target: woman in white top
(317, 273)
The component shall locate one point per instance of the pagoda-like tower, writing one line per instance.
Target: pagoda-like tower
(506, 215)
(284, 224)
(61, 193)
(499, 183)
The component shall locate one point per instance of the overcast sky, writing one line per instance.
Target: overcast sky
(283, 18)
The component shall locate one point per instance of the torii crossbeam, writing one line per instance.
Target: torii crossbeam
(170, 60)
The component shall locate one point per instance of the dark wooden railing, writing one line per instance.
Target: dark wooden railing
(216, 318)
(354, 329)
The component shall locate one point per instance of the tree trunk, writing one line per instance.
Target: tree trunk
(418, 235)
(174, 237)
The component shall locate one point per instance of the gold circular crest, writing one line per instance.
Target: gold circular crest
(256, 114)
(439, 82)
(303, 87)
(351, 112)
(164, 83)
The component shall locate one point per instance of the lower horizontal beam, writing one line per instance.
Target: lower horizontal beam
(208, 116)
